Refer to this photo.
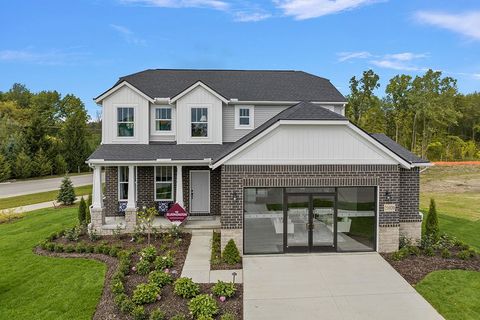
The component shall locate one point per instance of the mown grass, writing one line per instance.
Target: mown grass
(38, 287)
(19, 201)
(454, 293)
(462, 205)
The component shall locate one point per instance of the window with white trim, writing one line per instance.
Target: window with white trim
(163, 119)
(123, 183)
(199, 122)
(125, 122)
(244, 117)
(163, 183)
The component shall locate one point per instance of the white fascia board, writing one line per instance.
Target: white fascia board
(195, 85)
(423, 164)
(236, 101)
(314, 122)
(120, 85)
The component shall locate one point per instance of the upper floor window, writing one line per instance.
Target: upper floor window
(163, 119)
(163, 183)
(244, 117)
(125, 122)
(199, 122)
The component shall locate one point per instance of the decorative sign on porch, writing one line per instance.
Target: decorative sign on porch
(389, 207)
(176, 214)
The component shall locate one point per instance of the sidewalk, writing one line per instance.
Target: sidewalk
(36, 206)
(197, 263)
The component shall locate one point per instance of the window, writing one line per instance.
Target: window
(125, 122)
(163, 119)
(163, 183)
(123, 183)
(244, 117)
(199, 122)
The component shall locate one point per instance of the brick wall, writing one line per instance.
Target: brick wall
(111, 191)
(409, 195)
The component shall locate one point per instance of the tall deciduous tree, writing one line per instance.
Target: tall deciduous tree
(362, 95)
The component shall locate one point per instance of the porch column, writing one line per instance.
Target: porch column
(131, 210)
(97, 202)
(179, 186)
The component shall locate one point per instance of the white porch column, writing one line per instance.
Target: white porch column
(132, 203)
(97, 201)
(179, 186)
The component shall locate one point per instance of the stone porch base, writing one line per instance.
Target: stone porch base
(388, 239)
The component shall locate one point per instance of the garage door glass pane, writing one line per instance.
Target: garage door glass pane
(263, 209)
(356, 219)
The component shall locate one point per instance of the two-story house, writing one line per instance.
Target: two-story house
(270, 152)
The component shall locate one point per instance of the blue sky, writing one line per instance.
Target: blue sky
(82, 47)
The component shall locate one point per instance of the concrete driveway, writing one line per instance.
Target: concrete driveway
(329, 286)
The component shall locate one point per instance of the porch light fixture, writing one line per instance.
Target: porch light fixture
(234, 195)
(388, 195)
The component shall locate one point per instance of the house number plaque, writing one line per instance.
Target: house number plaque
(389, 207)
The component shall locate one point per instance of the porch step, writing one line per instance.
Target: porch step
(202, 224)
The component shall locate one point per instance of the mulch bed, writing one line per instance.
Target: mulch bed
(170, 303)
(415, 268)
(225, 266)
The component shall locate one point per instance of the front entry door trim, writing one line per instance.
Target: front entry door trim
(199, 193)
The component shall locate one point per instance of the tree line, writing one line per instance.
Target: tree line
(426, 114)
(44, 133)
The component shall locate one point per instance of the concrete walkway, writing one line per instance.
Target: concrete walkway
(36, 206)
(329, 286)
(197, 263)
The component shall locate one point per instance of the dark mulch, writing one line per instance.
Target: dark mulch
(170, 303)
(415, 268)
(225, 266)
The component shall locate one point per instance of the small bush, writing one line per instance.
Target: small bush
(178, 316)
(113, 252)
(226, 289)
(160, 278)
(89, 248)
(80, 248)
(66, 195)
(400, 254)
(127, 305)
(50, 246)
(73, 234)
(119, 299)
(227, 316)
(230, 254)
(203, 306)
(93, 236)
(216, 255)
(117, 286)
(82, 212)
(446, 253)
(69, 248)
(143, 267)
(466, 254)
(157, 314)
(429, 252)
(164, 262)
(148, 253)
(413, 250)
(58, 247)
(186, 288)
(431, 225)
(139, 313)
(145, 293)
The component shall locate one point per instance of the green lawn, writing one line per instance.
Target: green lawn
(462, 205)
(37, 287)
(27, 199)
(454, 293)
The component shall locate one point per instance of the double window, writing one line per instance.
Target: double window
(163, 119)
(123, 183)
(244, 117)
(125, 122)
(199, 122)
(163, 183)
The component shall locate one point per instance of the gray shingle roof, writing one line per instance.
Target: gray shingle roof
(245, 85)
(398, 149)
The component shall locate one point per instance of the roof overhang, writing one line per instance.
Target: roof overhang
(196, 85)
(122, 84)
(103, 162)
(236, 101)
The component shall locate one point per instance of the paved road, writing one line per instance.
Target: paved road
(329, 286)
(33, 186)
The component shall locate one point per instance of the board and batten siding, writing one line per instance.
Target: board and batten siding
(125, 97)
(261, 114)
(312, 144)
(201, 98)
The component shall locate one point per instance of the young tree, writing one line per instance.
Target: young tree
(23, 166)
(362, 96)
(66, 195)
(5, 169)
(146, 217)
(82, 212)
(431, 225)
(42, 165)
(89, 204)
(60, 164)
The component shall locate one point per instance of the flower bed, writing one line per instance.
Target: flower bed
(142, 279)
(217, 262)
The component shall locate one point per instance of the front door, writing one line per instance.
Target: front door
(310, 223)
(199, 192)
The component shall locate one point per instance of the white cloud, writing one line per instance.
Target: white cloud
(51, 57)
(396, 65)
(467, 23)
(212, 4)
(307, 9)
(128, 35)
(406, 56)
(344, 56)
(244, 16)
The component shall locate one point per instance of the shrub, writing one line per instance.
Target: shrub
(216, 256)
(186, 288)
(117, 286)
(58, 247)
(431, 225)
(227, 316)
(88, 217)
(127, 305)
(174, 232)
(66, 195)
(92, 235)
(73, 234)
(466, 254)
(160, 278)
(139, 313)
(143, 267)
(178, 316)
(446, 253)
(69, 248)
(230, 254)
(113, 252)
(80, 248)
(412, 250)
(163, 262)
(203, 306)
(89, 248)
(226, 289)
(145, 293)
(400, 254)
(50, 246)
(5, 169)
(82, 212)
(429, 252)
(119, 299)
(148, 253)
(157, 314)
